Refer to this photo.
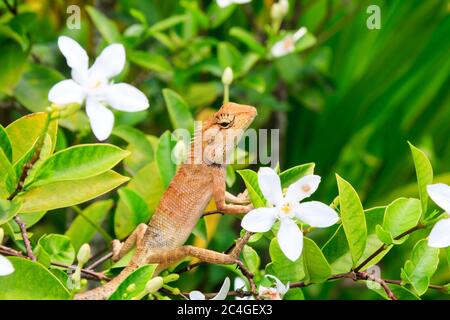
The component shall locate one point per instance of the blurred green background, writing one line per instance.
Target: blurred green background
(349, 101)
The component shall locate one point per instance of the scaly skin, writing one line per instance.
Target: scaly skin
(182, 205)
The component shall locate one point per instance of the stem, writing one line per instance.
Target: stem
(384, 247)
(226, 93)
(26, 241)
(100, 261)
(12, 9)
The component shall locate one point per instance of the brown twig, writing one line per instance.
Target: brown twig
(208, 213)
(384, 247)
(26, 241)
(100, 261)
(89, 273)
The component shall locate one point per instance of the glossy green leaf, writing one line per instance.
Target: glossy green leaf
(134, 284)
(248, 39)
(251, 183)
(424, 173)
(283, 268)
(137, 209)
(228, 55)
(353, 219)
(8, 210)
(400, 292)
(68, 193)
(251, 259)
(79, 162)
(166, 165)
(150, 61)
(81, 230)
(104, 25)
(402, 215)
(31, 281)
(5, 144)
(59, 248)
(14, 62)
(179, 112)
(419, 269)
(291, 175)
(316, 266)
(165, 24)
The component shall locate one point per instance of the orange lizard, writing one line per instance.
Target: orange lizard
(197, 181)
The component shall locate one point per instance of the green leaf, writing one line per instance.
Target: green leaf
(24, 132)
(251, 259)
(29, 219)
(167, 167)
(8, 210)
(5, 144)
(200, 230)
(294, 294)
(150, 190)
(140, 147)
(58, 248)
(137, 280)
(316, 266)
(383, 235)
(337, 251)
(68, 193)
(424, 172)
(399, 291)
(283, 268)
(150, 61)
(179, 112)
(31, 281)
(7, 176)
(137, 212)
(401, 215)
(291, 175)
(305, 42)
(81, 231)
(165, 24)
(219, 15)
(104, 25)
(248, 39)
(420, 268)
(353, 218)
(79, 162)
(228, 55)
(14, 62)
(32, 90)
(251, 183)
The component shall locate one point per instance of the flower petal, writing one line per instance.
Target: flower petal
(6, 266)
(100, 118)
(278, 49)
(290, 239)
(270, 185)
(259, 220)
(76, 57)
(125, 97)
(299, 33)
(196, 295)
(65, 92)
(316, 214)
(110, 62)
(440, 234)
(242, 1)
(303, 188)
(224, 3)
(223, 292)
(281, 288)
(440, 193)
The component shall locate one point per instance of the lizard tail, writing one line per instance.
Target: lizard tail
(103, 292)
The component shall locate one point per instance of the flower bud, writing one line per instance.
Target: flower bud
(154, 285)
(2, 234)
(227, 76)
(284, 6)
(84, 254)
(171, 277)
(276, 12)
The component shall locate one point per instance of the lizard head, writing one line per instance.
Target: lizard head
(224, 130)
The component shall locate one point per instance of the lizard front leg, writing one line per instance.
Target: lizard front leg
(135, 239)
(242, 198)
(220, 195)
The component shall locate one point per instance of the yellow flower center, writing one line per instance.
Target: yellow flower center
(286, 208)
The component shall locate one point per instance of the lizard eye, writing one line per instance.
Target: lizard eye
(225, 120)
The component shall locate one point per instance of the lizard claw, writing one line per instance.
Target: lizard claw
(243, 197)
(116, 247)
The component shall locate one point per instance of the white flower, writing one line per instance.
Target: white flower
(279, 9)
(273, 293)
(6, 267)
(221, 295)
(93, 85)
(440, 234)
(287, 44)
(226, 3)
(287, 209)
(227, 76)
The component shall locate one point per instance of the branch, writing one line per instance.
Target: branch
(100, 261)
(12, 9)
(384, 247)
(88, 273)
(26, 241)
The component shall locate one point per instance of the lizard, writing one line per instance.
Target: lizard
(198, 180)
